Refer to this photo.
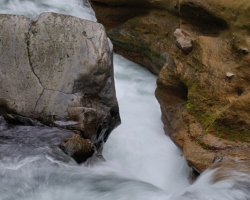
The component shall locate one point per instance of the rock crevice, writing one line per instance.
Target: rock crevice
(29, 56)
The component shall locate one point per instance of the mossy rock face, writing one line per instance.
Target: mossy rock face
(214, 119)
(112, 13)
(146, 40)
(212, 16)
(205, 112)
(142, 30)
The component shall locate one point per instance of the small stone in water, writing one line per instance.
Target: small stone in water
(183, 42)
(230, 75)
(78, 148)
(245, 50)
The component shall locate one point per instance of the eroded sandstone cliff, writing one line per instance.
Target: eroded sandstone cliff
(203, 93)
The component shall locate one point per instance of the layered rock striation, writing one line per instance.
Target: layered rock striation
(58, 69)
(200, 49)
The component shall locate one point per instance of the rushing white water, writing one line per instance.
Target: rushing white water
(31, 8)
(142, 163)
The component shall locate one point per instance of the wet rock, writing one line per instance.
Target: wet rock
(193, 175)
(228, 169)
(60, 72)
(17, 119)
(78, 148)
(183, 41)
(19, 142)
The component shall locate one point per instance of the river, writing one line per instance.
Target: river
(141, 161)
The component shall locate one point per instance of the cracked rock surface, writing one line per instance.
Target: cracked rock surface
(58, 69)
(19, 86)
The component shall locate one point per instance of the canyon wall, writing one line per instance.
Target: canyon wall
(199, 50)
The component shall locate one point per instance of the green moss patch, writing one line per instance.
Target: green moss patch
(235, 135)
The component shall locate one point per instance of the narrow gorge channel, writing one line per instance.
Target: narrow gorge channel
(141, 161)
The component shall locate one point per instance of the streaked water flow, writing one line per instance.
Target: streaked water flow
(142, 163)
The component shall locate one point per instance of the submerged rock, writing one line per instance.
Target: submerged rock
(20, 143)
(232, 170)
(59, 68)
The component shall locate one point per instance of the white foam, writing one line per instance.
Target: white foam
(31, 8)
(142, 163)
(139, 143)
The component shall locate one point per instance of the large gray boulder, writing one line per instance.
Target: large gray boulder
(58, 69)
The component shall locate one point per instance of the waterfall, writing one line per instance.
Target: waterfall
(142, 162)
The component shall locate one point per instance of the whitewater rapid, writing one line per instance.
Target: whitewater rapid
(142, 163)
